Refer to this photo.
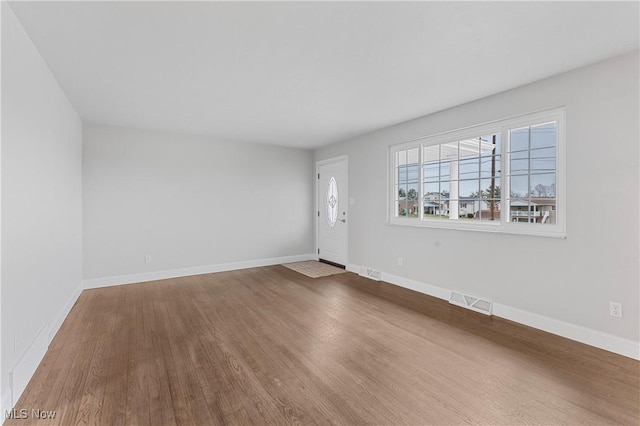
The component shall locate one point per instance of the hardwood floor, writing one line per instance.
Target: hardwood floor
(271, 346)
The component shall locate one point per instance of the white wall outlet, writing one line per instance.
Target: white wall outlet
(147, 259)
(615, 309)
(400, 261)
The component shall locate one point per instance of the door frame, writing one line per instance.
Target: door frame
(319, 163)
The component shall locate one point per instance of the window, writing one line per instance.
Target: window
(504, 176)
(332, 202)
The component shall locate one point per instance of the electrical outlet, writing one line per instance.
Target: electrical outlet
(147, 259)
(615, 309)
(400, 261)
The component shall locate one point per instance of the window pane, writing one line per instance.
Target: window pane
(489, 145)
(543, 185)
(466, 209)
(412, 208)
(543, 166)
(412, 156)
(402, 158)
(489, 206)
(445, 170)
(432, 188)
(498, 188)
(519, 186)
(430, 208)
(547, 214)
(403, 208)
(412, 191)
(543, 135)
(445, 189)
(449, 151)
(402, 192)
(469, 148)
(432, 196)
(469, 169)
(485, 184)
(519, 167)
(544, 153)
(431, 172)
(519, 210)
(413, 173)
(519, 139)
(433, 206)
(487, 164)
(431, 154)
(408, 208)
(543, 160)
(443, 213)
(402, 174)
(469, 188)
(519, 154)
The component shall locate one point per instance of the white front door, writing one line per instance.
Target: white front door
(332, 214)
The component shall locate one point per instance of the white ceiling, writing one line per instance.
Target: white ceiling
(308, 74)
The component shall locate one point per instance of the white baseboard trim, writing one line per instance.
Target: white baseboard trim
(606, 341)
(196, 270)
(6, 401)
(62, 315)
(431, 290)
(28, 362)
(352, 268)
(599, 339)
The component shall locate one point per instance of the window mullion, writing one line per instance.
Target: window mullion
(505, 172)
(531, 213)
(394, 183)
(420, 183)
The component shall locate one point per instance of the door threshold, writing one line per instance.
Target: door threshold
(328, 262)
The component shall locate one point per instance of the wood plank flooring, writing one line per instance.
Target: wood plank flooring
(271, 346)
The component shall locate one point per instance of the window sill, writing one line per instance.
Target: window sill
(495, 228)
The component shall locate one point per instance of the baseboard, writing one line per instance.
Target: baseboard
(599, 339)
(62, 315)
(197, 270)
(431, 290)
(28, 362)
(6, 401)
(606, 341)
(352, 268)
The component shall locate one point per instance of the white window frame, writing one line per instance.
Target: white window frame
(502, 127)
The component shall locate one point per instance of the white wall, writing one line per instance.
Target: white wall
(41, 156)
(190, 201)
(569, 280)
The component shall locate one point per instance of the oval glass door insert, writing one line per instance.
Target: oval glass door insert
(332, 202)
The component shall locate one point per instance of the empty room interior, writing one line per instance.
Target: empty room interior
(320, 213)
